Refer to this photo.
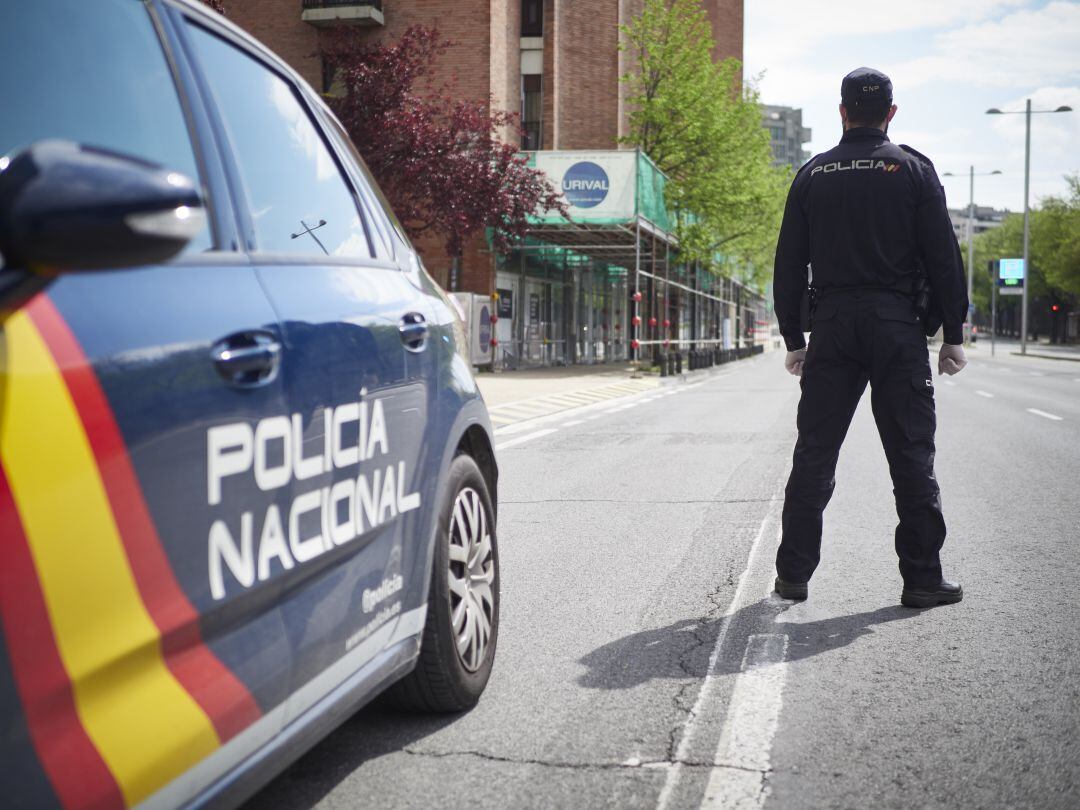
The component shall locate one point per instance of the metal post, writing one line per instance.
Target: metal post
(1027, 271)
(635, 354)
(971, 252)
(993, 316)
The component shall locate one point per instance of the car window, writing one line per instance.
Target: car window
(298, 199)
(94, 73)
(380, 228)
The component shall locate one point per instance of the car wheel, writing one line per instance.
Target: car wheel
(462, 626)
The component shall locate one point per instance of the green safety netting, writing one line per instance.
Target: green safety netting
(651, 203)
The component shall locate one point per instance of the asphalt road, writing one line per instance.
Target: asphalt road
(642, 663)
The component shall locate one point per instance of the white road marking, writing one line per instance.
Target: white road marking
(986, 394)
(527, 437)
(708, 684)
(949, 382)
(575, 422)
(742, 756)
(1045, 415)
(1036, 374)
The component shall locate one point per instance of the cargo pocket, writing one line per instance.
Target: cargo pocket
(896, 309)
(825, 311)
(922, 418)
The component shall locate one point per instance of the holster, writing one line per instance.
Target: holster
(806, 309)
(926, 306)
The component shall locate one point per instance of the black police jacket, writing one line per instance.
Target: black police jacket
(867, 214)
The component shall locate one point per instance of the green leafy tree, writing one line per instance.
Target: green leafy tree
(1054, 253)
(1056, 232)
(694, 118)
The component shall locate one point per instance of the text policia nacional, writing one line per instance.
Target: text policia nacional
(273, 454)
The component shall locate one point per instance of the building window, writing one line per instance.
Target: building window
(532, 114)
(532, 18)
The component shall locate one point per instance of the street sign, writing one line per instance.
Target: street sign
(1011, 273)
(1012, 291)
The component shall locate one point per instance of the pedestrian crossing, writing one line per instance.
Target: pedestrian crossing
(522, 410)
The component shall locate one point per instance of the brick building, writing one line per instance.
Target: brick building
(556, 62)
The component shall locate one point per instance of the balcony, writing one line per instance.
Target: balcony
(327, 13)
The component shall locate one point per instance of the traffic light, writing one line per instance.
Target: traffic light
(1055, 308)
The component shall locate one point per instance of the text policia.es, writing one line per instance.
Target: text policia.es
(317, 520)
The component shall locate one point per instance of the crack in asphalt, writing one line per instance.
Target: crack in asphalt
(582, 766)
(685, 696)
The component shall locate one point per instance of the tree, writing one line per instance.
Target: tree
(1056, 231)
(699, 124)
(1054, 248)
(439, 161)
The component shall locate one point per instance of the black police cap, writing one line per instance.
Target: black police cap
(865, 86)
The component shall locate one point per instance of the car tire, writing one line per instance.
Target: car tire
(462, 626)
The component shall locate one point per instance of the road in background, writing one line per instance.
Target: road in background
(642, 663)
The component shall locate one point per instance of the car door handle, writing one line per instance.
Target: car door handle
(247, 359)
(413, 330)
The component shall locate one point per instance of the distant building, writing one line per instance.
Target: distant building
(986, 219)
(786, 135)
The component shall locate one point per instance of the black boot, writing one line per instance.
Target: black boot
(944, 593)
(791, 590)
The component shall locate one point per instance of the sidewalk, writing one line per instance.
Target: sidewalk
(516, 396)
(520, 396)
(1044, 351)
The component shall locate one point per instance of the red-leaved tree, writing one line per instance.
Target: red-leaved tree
(438, 159)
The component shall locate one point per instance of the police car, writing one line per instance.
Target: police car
(246, 477)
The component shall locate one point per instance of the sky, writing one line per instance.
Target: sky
(949, 61)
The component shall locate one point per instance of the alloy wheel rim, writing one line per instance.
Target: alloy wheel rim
(471, 578)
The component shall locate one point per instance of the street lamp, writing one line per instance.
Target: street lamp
(1027, 183)
(971, 233)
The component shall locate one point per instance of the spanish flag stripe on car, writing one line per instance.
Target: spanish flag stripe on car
(78, 775)
(145, 725)
(218, 691)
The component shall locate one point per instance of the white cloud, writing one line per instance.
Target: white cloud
(1021, 49)
(950, 61)
(1054, 137)
(796, 29)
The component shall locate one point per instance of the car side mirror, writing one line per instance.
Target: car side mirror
(65, 206)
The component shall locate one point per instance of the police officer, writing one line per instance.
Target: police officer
(866, 225)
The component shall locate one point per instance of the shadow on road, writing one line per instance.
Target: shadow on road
(682, 649)
(371, 733)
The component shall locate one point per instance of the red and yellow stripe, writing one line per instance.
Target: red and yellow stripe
(150, 698)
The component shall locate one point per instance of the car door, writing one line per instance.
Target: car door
(349, 319)
(140, 638)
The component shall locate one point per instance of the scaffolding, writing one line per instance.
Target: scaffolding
(670, 306)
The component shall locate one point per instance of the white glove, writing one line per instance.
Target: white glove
(794, 362)
(951, 359)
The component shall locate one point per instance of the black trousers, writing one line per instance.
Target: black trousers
(860, 337)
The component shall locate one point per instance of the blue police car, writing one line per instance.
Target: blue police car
(246, 478)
